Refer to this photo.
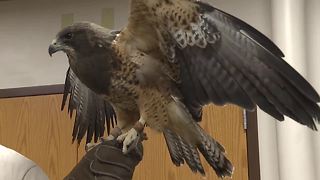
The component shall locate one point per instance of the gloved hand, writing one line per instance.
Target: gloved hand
(107, 162)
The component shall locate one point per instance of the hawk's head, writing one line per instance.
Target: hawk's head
(88, 47)
(81, 38)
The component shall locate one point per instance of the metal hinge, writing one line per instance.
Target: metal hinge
(245, 120)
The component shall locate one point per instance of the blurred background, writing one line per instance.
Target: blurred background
(287, 151)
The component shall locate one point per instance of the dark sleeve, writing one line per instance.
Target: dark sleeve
(107, 162)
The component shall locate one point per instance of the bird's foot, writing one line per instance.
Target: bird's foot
(115, 132)
(90, 146)
(131, 138)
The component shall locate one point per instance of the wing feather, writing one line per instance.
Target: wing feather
(225, 22)
(270, 82)
(241, 25)
(92, 111)
(224, 60)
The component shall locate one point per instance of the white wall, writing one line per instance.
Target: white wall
(28, 27)
(313, 47)
(295, 142)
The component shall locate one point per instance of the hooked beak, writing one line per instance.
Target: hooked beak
(54, 47)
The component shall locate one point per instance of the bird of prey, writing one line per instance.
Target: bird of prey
(172, 58)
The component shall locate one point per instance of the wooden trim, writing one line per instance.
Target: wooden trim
(252, 124)
(31, 91)
(253, 146)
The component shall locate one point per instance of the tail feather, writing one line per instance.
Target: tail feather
(214, 153)
(192, 157)
(174, 147)
(181, 152)
(185, 137)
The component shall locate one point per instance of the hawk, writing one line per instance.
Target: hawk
(172, 58)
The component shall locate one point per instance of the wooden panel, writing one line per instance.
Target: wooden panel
(223, 123)
(35, 127)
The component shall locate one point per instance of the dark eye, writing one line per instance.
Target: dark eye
(68, 36)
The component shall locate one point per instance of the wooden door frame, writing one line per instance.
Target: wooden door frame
(252, 123)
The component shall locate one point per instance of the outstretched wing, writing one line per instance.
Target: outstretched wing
(222, 60)
(92, 111)
(240, 65)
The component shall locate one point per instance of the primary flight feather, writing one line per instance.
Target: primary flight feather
(174, 57)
